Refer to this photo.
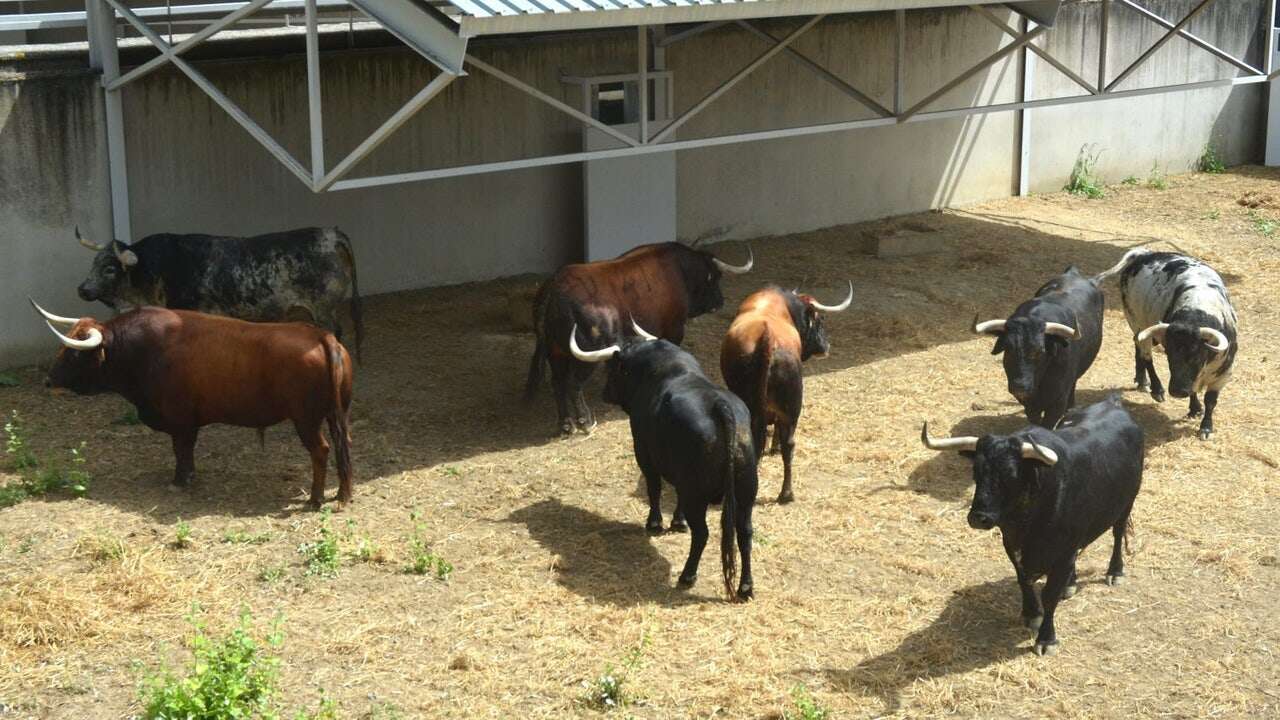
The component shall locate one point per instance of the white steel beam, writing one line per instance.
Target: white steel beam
(694, 31)
(724, 87)
(441, 173)
(1222, 54)
(204, 34)
(253, 128)
(1172, 33)
(899, 66)
(535, 92)
(1026, 89)
(314, 105)
(1103, 27)
(642, 72)
(820, 71)
(102, 35)
(991, 17)
(982, 65)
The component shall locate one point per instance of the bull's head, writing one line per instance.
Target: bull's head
(1029, 346)
(79, 365)
(1004, 473)
(622, 375)
(702, 279)
(813, 336)
(108, 279)
(1190, 347)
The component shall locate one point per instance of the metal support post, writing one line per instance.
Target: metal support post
(642, 73)
(1025, 92)
(102, 37)
(313, 95)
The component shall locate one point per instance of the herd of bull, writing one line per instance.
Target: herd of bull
(189, 356)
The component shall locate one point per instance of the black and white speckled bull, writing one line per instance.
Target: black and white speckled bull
(264, 278)
(1181, 304)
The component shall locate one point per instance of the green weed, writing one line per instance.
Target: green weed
(36, 480)
(804, 707)
(182, 535)
(130, 417)
(240, 537)
(101, 548)
(1130, 180)
(271, 574)
(9, 380)
(1264, 225)
(1156, 180)
(15, 444)
(1212, 215)
(422, 560)
(322, 555)
(610, 690)
(1209, 161)
(1084, 180)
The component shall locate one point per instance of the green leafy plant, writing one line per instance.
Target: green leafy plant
(1264, 225)
(130, 417)
(1212, 214)
(15, 445)
(241, 537)
(101, 548)
(9, 380)
(322, 555)
(1084, 179)
(422, 559)
(1156, 180)
(182, 535)
(35, 479)
(609, 690)
(804, 707)
(1130, 180)
(1210, 161)
(271, 573)
(77, 478)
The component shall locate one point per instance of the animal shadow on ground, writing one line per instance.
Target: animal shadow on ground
(948, 476)
(978, 627)
(604, 560)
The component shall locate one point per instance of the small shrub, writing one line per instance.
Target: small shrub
(804, 707)
(422, 559)
(230, 677)
(1264, 225)
(271, 574)
(1209, 161)
(1156, 180)
(609, 690)
(182, 535)
(15, 445)
(1212, 214)
(1084, 180)
(240, 537)
(130, 417)
(322, 555)
(101, 548)
(77, 478)
(9, 380)
(36, 480)
(1130, 180)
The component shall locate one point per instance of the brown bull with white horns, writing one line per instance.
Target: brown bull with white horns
(774, 332)
(183, 370)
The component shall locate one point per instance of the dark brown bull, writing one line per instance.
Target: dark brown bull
(760, 358)
(183, 370)
(659, 286)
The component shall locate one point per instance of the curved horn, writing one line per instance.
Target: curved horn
(736, 269)
(990, 327)
(1062, 331)
(50, 317)
(89, 343)
(1216, 341)
(641, 332)
(92, 246)
(835, 308)
(1034, 451)
(966, 442)
(591, 356)
(1156, 330)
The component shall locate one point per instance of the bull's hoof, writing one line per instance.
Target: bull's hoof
(1141, 385)
(786, 498)
(687, 581)
(1157, 395)
(745, 592)
(1205, 433)
(1070, 591)
(678, 526)
(1032, 622)
(1114, 579)
(586, 426)
(653, 527)
(1045, 648)
(566, 428)
(1194, 413)
(315, 504)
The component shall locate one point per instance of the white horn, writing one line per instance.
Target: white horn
(92, 246)
(641, 332)
(1156, 330)
(89, 343)
(1034, 451)
(591, 356)
(990, 327)
(836, 308)
(1216, 341)
(50, 317)
(736, 269)
(1064, 331)
(966, 442)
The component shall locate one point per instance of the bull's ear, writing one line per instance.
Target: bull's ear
(128, 258)
(999, 346)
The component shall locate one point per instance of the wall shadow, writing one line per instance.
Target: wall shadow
(978, 627)
(603, 560)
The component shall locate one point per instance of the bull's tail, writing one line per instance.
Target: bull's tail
(1128, 535)
(539, 359)
(357, 306)
(728, 431)
(1097, 279)
(760, 413)
(338, 420)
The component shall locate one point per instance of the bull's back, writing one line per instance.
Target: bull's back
(760, 350)
(647, 287)
(1105, 458)
(1082, 299)
(1155, 285)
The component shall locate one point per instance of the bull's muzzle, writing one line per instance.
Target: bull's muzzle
(981, 520)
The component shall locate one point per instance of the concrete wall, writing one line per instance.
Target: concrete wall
(191, 168)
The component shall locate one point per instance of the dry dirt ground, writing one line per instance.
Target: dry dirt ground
(872, 592)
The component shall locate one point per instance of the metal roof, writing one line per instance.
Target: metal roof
(490, 17)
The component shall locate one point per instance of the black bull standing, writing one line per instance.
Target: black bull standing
(1048, 343)
(691, 433)
(1052, 493)
(267, 278)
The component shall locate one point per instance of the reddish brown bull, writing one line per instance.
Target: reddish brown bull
(659, 286)
(774, 332)
(184, 370)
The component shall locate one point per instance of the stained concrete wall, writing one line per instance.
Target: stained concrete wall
(193, 169)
